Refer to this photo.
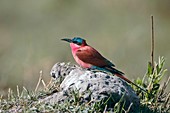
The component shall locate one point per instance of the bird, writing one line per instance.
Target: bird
(88, 57)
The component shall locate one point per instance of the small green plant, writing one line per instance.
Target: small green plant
(156, 99)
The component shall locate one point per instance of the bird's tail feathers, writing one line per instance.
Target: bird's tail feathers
(114, 71)
(120, 75)
(124, 78)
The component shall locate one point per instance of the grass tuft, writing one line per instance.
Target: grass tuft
(156, 100)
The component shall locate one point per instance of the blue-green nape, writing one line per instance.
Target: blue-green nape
(78, 40)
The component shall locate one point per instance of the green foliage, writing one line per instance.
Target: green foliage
(28, 101)
(156, 98)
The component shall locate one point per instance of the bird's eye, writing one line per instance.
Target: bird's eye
(75, 42)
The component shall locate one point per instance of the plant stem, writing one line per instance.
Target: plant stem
(152, 42)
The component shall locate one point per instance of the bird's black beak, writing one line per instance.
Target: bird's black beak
(67, 40)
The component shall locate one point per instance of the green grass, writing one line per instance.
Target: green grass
(156, 100)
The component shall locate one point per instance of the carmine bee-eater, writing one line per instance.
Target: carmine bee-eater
(87, 57)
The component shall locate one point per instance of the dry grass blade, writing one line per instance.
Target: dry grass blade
(39, 80)
(18, 93)
(49, 84)
(167, 101)
(9, 93)
(128, 110)
(45, 86)
(166, 83)
(105, 109)
(164, 86)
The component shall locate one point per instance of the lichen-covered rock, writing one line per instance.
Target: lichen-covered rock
(101, 86)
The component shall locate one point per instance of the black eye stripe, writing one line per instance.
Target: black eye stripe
(76, 42)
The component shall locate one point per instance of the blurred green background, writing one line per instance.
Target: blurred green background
(30, 33)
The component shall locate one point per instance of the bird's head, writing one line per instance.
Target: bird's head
(77, 41)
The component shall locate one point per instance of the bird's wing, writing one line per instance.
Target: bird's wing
(89, 55)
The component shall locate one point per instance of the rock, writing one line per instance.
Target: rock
(101, 86)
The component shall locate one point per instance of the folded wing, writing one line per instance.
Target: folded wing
(90, 55)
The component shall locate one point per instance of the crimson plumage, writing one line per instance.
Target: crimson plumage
(88, 57)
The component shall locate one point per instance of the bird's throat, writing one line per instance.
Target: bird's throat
(74, 47)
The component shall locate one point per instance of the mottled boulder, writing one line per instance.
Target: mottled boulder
(101, 85)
